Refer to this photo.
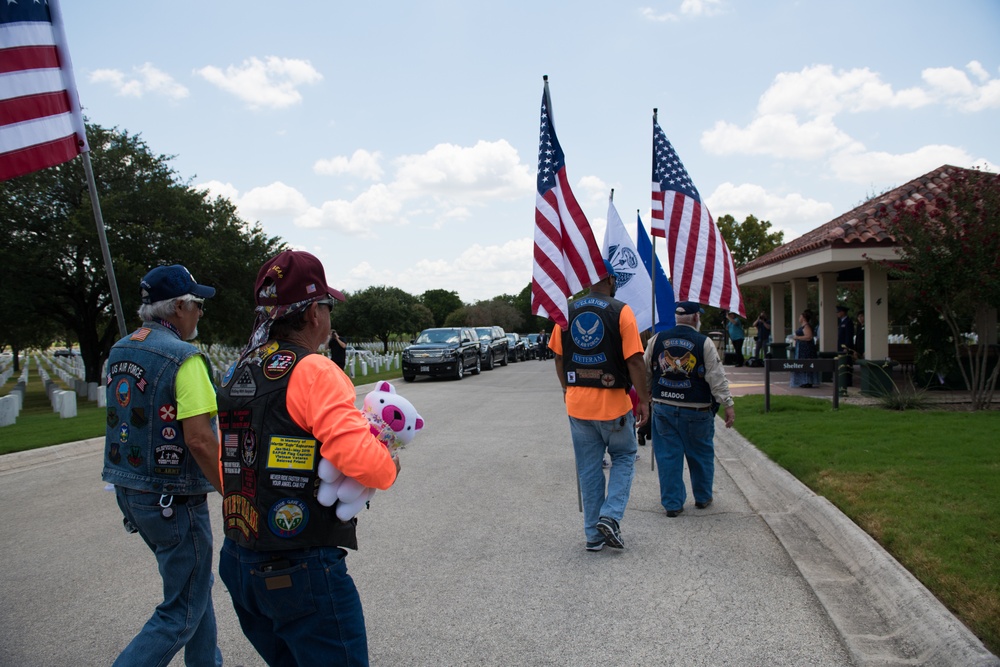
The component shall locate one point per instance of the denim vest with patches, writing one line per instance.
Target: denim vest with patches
(679, 367)
(144, 445)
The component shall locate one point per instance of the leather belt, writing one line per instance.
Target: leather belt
(704, 409)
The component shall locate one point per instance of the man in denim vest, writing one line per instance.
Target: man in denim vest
(162, 455)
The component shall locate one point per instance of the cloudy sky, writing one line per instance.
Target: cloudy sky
(398, 141)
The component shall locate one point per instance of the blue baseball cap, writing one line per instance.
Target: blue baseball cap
(611, 269)
(170, 282)
(688, 308)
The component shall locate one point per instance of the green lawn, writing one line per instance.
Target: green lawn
(925, 484)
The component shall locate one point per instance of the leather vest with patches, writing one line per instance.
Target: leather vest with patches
(270, 463)
(679, 367)
(592, 346)
(144, 442)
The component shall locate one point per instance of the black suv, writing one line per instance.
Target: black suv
(450, 351)
(493, 346)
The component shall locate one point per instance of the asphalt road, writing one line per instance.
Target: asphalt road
(476, 556)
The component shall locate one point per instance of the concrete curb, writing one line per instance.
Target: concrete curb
(884, 614)
(46, 455)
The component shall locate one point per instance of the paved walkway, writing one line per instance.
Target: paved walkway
(476, 557)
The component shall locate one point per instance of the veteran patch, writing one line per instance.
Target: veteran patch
(245, 386)
(290, 453)
(278, 364)
(138, 417)
(288, 517)
(240, 514)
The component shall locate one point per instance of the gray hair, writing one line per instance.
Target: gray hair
(691, 319)
(163, 309)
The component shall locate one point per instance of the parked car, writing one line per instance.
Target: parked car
(449, 351)
(531, 345)
(517, 349)
(492, 346)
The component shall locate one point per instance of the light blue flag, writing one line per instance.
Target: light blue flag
(633, 285)
(664, 291)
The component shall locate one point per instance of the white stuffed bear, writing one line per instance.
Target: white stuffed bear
(394, 421)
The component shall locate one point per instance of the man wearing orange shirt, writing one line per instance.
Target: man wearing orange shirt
(281, 408)
(597, 360)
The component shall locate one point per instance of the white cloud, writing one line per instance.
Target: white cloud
(777, 135)
(867, 167)
(818, 90)
(953, 87)
(490, 170)
(791, 213)
(688, 9)
(376, 206)
(362, 164)
(273, 82)
(220, 189)
(145, 79)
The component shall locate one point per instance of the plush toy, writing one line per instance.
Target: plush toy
(394, 421)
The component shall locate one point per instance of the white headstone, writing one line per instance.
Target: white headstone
(93, 389)
(8, 410)
(67, 408)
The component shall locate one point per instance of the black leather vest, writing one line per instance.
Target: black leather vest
(269, 463)
(592, 347)
(679, 367)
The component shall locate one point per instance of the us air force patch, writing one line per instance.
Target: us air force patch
(587, 330)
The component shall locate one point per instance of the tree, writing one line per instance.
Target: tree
(950, 257)
(497, 311)
(750, 239)
(530, 322)
(150, 218)
(379, 312)
(441, 303)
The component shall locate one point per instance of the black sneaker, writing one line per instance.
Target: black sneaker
(703, 505)
(611, 532)
(595, 546)
(674, 513)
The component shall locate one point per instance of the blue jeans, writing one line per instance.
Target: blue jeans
(297, 607)
(590, 439)
(183, 548)
(680, 433)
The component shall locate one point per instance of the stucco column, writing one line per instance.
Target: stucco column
(828, 312)
(986, 326)
(778, 312)
(876, 311)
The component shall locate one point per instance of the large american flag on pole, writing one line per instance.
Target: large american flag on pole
(40, 120)
(701, 266)
(567, 258)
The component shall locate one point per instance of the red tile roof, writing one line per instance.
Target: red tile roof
(859, 227)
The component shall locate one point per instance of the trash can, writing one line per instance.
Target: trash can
(779, 350)
(845, 372)
(827, 376)
(876, 377)
(719, 338)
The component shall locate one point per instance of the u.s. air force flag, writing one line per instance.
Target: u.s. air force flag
(632, 279)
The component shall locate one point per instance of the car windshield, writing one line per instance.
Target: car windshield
(438, 336)
(484, 334)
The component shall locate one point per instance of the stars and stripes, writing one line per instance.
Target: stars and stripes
(566, 256)
(40, 120)
(701, 266)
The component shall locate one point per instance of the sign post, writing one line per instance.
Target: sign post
(800, 366)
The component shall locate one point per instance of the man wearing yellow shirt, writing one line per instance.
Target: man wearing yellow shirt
(597, 360)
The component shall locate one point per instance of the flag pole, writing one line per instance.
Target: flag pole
(652, 262)
(105, 250)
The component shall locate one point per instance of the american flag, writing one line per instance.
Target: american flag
(567, 258)
(40, 120)
(701, 266)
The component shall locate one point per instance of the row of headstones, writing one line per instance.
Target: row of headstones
(223, 358)
(11, 404)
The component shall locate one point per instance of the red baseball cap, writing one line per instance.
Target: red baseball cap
(290, 277)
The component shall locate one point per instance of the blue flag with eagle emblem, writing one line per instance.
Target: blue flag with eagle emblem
(633, 284)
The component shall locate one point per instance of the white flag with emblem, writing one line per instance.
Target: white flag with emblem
(633, 284)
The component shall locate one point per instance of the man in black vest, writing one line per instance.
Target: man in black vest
(686, 379)
(282, 408)
(596, 362)
(845, 331)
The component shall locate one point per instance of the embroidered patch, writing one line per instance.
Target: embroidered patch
(250, 482)
(288, 517)
(288, 481)
(134, 457)
(114, 453)
(140, 334)
(138, 418)
(229, 375)
(230, 444)
(587, 330)
(240, 514)
(168, 413)
(239, 419)
(123, 393)
(123, 432)
(168, 459)
(231, 468)
(168, 433)
(278, 364)
(245, 386)
(133, 370)
(249, 448)
(288, 453)
(112, 417)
